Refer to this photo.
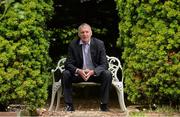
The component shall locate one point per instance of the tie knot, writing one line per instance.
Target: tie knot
(85, 45)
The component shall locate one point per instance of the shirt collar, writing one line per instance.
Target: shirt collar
(80, 42)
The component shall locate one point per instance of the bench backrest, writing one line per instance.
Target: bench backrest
(114, 66)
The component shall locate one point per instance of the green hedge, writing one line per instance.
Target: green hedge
(24, 55)
(150, 38)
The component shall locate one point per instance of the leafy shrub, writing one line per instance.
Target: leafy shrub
(150, 37)
(24, 56)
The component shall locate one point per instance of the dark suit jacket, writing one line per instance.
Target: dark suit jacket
(75, 57)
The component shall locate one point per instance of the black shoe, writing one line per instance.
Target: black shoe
(103, 107)
(69, 107)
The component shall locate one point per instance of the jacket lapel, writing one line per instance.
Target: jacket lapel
(93, 49)
(79, 50)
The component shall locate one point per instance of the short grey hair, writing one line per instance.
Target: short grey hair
(83, 25)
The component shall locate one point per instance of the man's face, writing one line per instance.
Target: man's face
(85, 34)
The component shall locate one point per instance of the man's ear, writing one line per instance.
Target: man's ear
(78, 34)
(91, 32)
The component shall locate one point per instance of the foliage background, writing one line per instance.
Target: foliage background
(150, 38)
(24, 58)
(149, 35)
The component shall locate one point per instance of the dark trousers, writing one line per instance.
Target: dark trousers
(105, 79)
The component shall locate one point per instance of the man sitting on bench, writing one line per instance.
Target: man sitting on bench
(86, 62)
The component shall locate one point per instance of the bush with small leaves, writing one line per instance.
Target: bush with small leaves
(24, 59)
(150, 38)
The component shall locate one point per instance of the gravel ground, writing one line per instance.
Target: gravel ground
(112, 113)
(87, 105)
(90, 108)
(85, 114)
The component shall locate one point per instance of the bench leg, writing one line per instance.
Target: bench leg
(120, 94)
(58, 98)
(52, 99)
(55, 87)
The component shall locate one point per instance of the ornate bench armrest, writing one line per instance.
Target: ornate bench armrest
(60, 66)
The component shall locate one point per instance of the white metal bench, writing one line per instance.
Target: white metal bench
(114, 66)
